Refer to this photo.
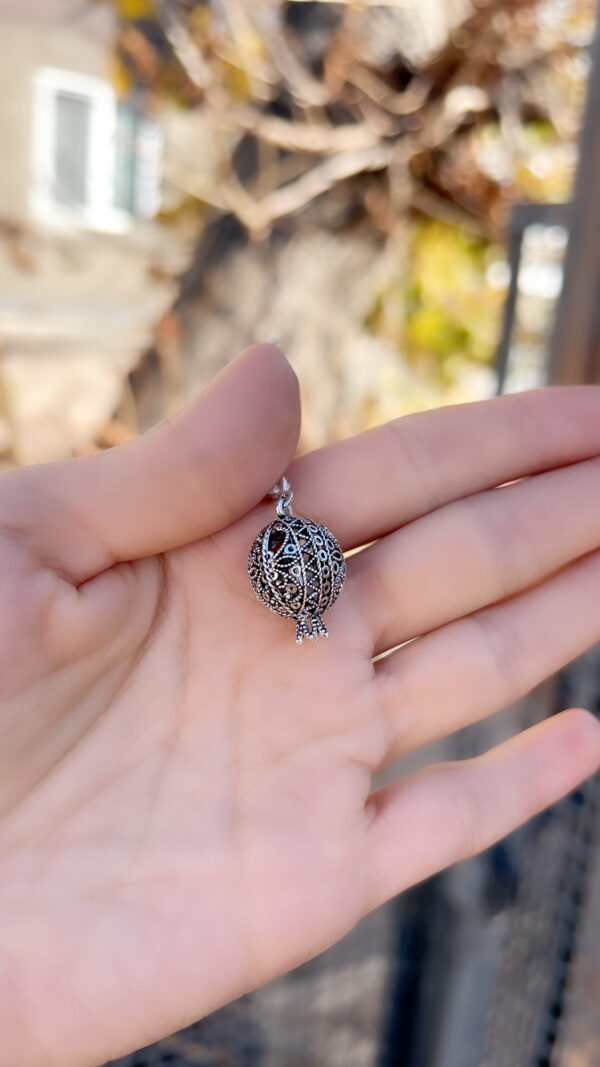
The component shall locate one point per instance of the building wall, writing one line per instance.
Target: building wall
(77, 306)
(24, 46)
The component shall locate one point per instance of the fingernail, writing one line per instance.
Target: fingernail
(272, 341)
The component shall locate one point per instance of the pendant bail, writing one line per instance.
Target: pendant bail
(283, 493)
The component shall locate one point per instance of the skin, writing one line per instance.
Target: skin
(185, 794)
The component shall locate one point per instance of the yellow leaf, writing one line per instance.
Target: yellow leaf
(135, 9)
(121, 78)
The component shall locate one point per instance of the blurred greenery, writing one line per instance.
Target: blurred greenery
(442, 310)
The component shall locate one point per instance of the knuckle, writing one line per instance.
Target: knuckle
(501, 648)
(467, 809)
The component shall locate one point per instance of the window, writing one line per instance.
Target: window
(95, 159)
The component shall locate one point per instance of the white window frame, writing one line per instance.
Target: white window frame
(99, 211)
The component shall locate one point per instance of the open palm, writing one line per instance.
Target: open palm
(185, 794)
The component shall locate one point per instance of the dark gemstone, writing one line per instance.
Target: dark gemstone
(276, 540)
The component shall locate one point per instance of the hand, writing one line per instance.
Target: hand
(185, 794)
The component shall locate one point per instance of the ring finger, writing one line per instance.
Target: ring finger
(470, 668)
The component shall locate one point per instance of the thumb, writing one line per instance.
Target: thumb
(188, 478)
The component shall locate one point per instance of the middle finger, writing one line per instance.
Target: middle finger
(475, 551)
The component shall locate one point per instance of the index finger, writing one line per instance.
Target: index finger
(368, 485)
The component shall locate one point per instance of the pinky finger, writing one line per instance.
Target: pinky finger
(453, 810)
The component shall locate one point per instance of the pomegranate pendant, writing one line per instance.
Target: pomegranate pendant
(296, 567)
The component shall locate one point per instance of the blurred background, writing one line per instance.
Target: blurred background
(406, 193)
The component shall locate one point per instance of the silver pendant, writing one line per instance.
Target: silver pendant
(296, 567)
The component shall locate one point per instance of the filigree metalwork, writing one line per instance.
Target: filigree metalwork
(297, 569)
